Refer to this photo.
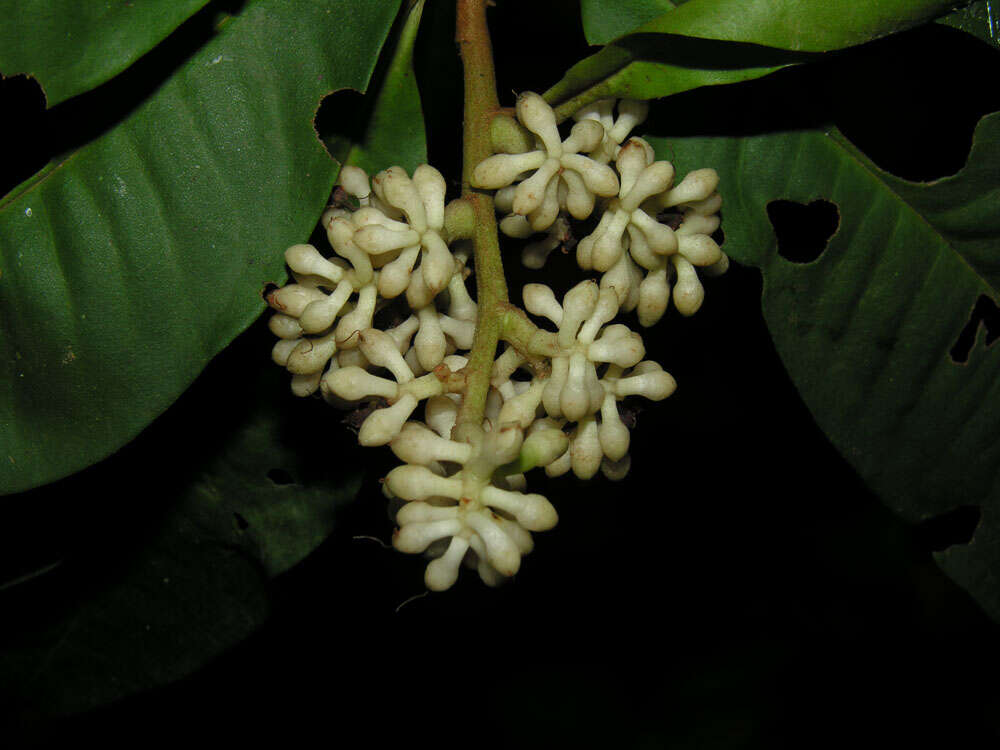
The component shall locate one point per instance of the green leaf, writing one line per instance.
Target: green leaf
(866, 330)
(980, 19)
(675, 53)
(70, 47)
(174, 570)
(127, 266)
(603, 21)
(393, 125)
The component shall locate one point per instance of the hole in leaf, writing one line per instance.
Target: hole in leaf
(23, 96)
(280, 476)
(984, 312)
(803, 230)
(40, 135)
(954, 527)
(341, 120)
(241, 523)
(931, 102)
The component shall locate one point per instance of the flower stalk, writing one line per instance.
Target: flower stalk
(481, 104)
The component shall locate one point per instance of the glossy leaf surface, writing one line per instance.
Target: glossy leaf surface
(133, 261)
(866, 330)
(604, 21)
(71, 47)
(675, 52)
(169, 567)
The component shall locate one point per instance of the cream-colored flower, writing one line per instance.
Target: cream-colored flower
(631, 112)
(468, 509)
(553, 164)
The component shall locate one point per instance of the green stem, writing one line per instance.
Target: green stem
(473, 37)
(533, 343)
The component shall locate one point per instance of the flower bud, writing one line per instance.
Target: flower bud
(380, 349)
(355, 181)
(688, 291)
(631, 112)
(579, 199)
(320, 314)
(654, 296)
(500, 170)
(501, 552)
(542, 447)
(284, 326)
(503, 444)
(585, 449)
(376, 239)
(654, 384)
(539, 118)
(282, 350)
(539, 299)
(696, 186)
(417, 444)
(532, 511)
(699, 249)
(431, 187)
(442, 572)
(293, 298)
(396, 188)
(306, 259)
(414, 538)
(654, 179)
(353, 384)
(306, 385)
(598, 177)
(311, 355)
(586, 135)
(418, 483)
(613, 434)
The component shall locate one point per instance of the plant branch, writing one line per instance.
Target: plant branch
(473, 37)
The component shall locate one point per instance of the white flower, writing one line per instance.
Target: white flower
(308, 308)
(631, 112)
(553, 164)
(321, 314)
(629, 239)
(354, 383)
(641, 178)
(421, 201)
(601, 441)
(466, 508)
(573, 390)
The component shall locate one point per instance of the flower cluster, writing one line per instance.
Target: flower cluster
(391, 246)
(652, 235)
(383, 324)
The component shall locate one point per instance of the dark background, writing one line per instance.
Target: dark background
(740, 589)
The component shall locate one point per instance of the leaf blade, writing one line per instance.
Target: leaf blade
(71, 47)
(140, 256)
(394, 132)
(603, 22)
(865, 330)
(157, 578)
(751, 39)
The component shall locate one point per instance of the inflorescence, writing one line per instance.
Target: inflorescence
(554, 395)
